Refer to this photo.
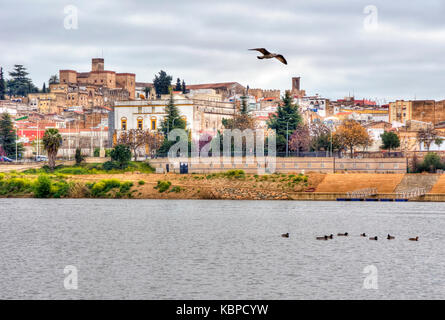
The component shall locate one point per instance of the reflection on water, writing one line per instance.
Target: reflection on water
(197, 249)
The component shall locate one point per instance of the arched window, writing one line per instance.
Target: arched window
(124, 123)
(140, 123)
(153, 123)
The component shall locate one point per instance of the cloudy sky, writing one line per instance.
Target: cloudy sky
(337, 47)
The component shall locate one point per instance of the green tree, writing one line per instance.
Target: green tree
(287, 117)
(173, 119)
(20, 84)
(162, 83)
(178, 85)
(390, 141)
(2, 85)
(121, 154)
(438, 142)
(44, 88)
(52, 141)
(54, 79)
(147, 92)
(8, 136)
(78, 156)
(184, 88)
(431, 163)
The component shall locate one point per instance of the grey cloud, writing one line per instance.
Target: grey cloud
(207, 41)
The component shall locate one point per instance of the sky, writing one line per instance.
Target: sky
(376, 49)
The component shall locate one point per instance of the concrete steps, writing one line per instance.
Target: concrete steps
(385, 183)
(412, 181)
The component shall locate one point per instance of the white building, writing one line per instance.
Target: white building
(200, 114)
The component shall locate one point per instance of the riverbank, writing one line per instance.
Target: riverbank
(140, 183)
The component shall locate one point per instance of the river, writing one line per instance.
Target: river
(211, 249)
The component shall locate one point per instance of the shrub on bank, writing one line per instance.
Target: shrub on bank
(15, 185)
(42, 188)
(163, 186)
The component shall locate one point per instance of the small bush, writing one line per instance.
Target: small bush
(102, 187)
(141, 182)
(96, 152)
(163, 186)
(43, 187)
(176, 189)
(125, 187)
(110, 165)
(60, 189)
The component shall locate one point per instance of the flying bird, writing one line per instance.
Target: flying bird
(268, 55)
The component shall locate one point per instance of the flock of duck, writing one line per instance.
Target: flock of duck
(331, 236)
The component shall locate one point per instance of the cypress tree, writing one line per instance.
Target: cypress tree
(8, 136)
(178, 85)
(173, 118)
(184, 89)
(2, 85)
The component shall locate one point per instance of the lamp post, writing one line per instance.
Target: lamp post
(287, 137)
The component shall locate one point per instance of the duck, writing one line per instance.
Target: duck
(285, 235)
(342, 234)
(363, 235)
(389, 237)
(322, 238)
(414, 239)
(331, 236)
(373, 238)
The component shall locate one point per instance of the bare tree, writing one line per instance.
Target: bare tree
(427, 136)
(137, 138)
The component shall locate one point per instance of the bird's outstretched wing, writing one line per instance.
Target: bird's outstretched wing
(281, 58)
(262, 50)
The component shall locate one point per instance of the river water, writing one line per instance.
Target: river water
(209, 249)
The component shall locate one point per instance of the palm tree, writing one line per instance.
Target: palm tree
(54, 79)
(52, 140)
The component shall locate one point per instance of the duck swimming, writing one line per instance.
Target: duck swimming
(389, 237)
(331, 236)
(322, 238)
(363, 235)
(373, 238)
(414, 239)
(342, 234)
(285, 235)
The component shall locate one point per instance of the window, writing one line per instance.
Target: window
(153, 109)
(124, 123)
(153, 123)
(139, 109)
(140, 124)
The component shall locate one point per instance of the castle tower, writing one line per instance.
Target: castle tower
(97, 64)
(295, 84)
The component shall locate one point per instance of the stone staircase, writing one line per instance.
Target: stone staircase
(412, 181)
(384, 183)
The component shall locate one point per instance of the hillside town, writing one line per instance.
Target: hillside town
(91, 110)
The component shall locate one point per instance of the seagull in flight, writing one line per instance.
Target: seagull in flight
(268, 55)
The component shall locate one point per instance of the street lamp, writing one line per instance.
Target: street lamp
(287, 137)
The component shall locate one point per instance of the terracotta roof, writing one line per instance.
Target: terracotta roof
(212, 85)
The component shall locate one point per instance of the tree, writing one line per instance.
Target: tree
(135, 139)
(241, 119)
(78, 156)
(431, 163)
(351, 134)
(8, 136)
(162, 83)
(173, 119)
(184, 88)
(438, 142)
(390, 141)
(52, 141)
(54, 79)
(300, 139)
(427, 136)
(147, 92)
(44, 88)
(20, 84)
(2, 85)
(287, 117)
(178, 85)
(122, 155)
